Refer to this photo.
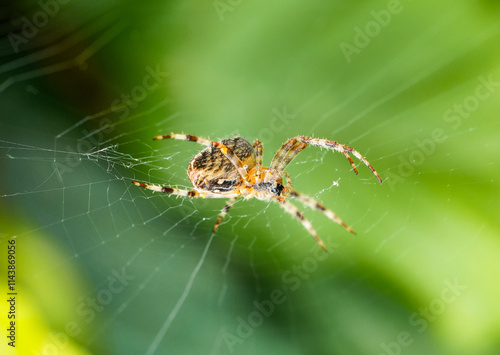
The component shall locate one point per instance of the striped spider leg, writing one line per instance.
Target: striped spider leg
(223, 212)
(312, 203)
(257, 145)
(294, 211)
(291, 148)
(194, 193)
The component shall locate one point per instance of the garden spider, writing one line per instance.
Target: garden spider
(233, 168)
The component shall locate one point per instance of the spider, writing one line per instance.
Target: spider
(233, 167)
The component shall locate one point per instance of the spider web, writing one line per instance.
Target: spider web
(111, 268)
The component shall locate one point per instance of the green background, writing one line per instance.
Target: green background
(401, 82)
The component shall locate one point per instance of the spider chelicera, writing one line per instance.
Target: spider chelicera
(233, 167)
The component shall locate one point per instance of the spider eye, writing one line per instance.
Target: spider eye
(277, 189)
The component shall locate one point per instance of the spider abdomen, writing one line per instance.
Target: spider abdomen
(210, 170)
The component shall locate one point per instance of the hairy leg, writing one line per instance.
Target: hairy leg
(312, 203)
(289, 151)
(186, 193)
(282, 153)
(283, 157)
(294, 211)
(258, 160)
(224, 211)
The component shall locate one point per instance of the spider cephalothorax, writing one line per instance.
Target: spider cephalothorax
(233, 167)
(276, 188)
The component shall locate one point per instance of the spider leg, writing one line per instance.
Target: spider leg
(294, 211)
(282, 153)
(233, 158)
(288, 151)
(283, 157)
(186, 193)
(258, 160)
(312, 203)
(224, 211)
(288, 184)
